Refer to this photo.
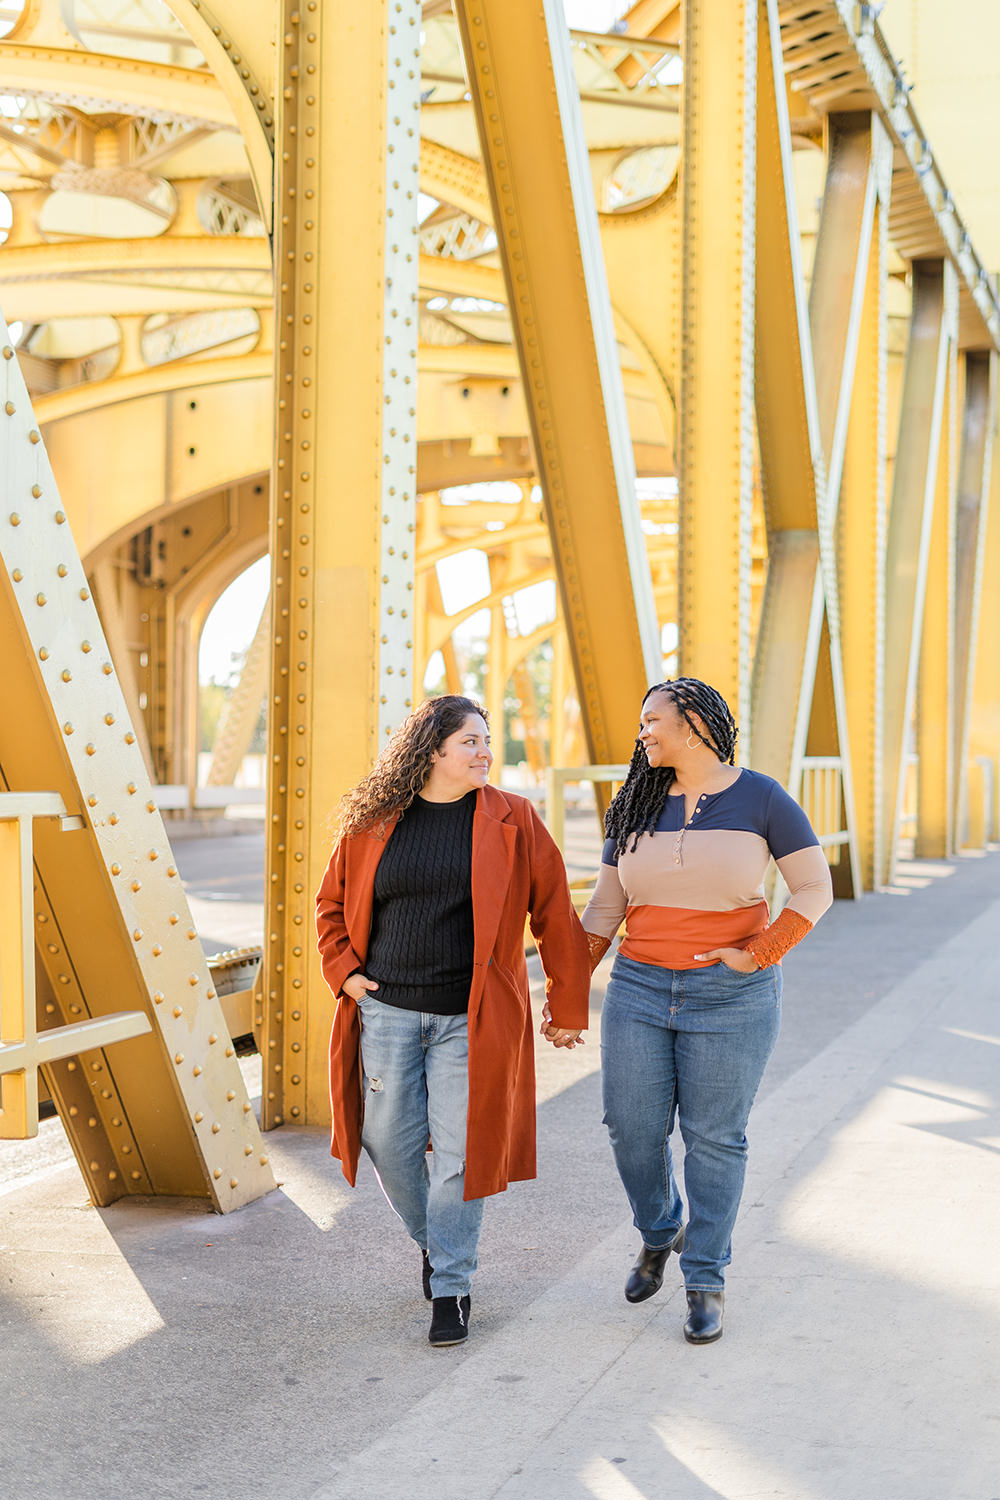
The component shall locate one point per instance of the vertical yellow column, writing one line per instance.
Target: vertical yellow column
(18, 1091)
(716, 405)
(909, 532)
(984, 718)
(975, 464)
(344, 493)
(496, 676)
(860, 528)
(935, 838)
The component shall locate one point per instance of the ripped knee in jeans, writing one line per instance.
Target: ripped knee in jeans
(375, 1085)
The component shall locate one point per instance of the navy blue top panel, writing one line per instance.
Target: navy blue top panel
(753, 804)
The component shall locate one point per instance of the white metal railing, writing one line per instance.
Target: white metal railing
(171, 798)
(822, 799)
(23, 1048)
(556, 780)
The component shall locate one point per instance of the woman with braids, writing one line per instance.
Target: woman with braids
(421, 918)
(693, 1005)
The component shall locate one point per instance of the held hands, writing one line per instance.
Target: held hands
(356, 986)
(733, 958)
(559, 1036)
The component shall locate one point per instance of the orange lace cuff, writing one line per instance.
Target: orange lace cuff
(785, 931)
(598, 947)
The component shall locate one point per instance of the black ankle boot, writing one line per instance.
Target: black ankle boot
(450, 1320)
(425, 1274)
(646, 1276)
(704, 1320)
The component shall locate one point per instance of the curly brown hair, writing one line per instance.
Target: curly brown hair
(404, 765)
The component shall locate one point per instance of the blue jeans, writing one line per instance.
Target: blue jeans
(416, 1088)
(692, 1043)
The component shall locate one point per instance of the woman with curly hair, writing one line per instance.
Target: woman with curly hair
(421, 918)
(693, 1005)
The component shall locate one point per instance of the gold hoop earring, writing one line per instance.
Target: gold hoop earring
(688, 741)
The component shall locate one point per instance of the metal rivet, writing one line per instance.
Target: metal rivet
(40, 599)
(15, 519)
(109, 718)
(137, 885)
(85, 646)
(67, 676)
(36, 491)
(62, 570)
(131, 789)
(67, 728)
(178, 1057)
(158, 997)
(216, 1128)
(137, 934)
(130, 738)
(192, 980)
(198, 1117)
(17, 575)
(91, 750)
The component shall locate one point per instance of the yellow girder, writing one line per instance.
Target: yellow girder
(107, 84)
(560, 310)
(716, 398)
(910, 516)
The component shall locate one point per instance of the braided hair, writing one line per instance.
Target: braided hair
(636, 808)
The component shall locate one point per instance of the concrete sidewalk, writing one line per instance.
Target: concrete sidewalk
(281, 1352)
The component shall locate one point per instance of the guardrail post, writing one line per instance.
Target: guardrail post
(23, 1049)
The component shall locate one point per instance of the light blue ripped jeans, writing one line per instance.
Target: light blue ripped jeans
(690, 1043)
(416, 1088)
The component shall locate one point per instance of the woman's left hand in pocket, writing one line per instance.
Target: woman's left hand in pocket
(733, 958)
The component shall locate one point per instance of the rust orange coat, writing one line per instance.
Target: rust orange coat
(516, 871)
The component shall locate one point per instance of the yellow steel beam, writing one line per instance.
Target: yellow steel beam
(716, 425)
(909, 532)
(344, 502)
(859, 533)
(189, 375)
(455, 179)
(527, 112)
(120, 463)
(118, 85)
(236, 728)
(170, 1108)
(240, 41)
(792, 470)
(984, 726)
(800, 615)
(935, 704)
(974, 477)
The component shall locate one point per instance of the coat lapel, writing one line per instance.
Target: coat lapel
(365, 854)
(493, 844)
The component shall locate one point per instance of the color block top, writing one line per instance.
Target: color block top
(690, 887)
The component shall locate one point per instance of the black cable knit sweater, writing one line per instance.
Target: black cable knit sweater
(421, 944)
